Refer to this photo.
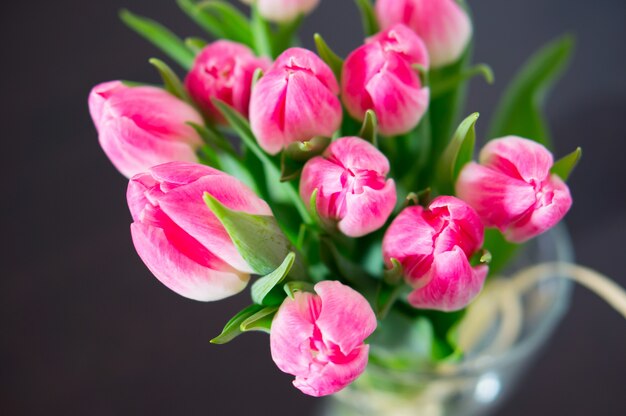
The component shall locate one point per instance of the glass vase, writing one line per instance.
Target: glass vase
(473, 385)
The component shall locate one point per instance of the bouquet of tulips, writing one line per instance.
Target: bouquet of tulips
(347, 185)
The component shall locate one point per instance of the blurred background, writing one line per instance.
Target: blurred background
(87, 330)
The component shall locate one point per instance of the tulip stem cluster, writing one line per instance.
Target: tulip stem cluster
(348, 185)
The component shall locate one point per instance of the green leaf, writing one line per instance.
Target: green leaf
(242, 128)
(234, 24)
(445, 109)
(171, 81)
(232, 328)
(258, 238)
(501, 251)
(284, 36)
(368, 17)
(303, 151)
(395, 274)
(386, 296)
(160, 37)
(459, 151)
(369, 129)
(260, 321)
(289, 169)
(454, 81)
(261, 34)
(520, 109)
(291, 288)
(205, 20)
(195, 44)
(565, 165)
(331, 58)
(262, 287)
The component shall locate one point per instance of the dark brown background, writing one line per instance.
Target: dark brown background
(85, 329)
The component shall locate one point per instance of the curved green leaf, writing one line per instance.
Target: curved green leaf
(159, 36)
(262, 287)
(520, 109)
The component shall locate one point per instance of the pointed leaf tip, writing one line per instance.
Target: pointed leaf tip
(564, 166)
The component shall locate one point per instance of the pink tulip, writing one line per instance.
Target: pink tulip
(433, 246)
(512, 188)
(381, 76)
(319, 337)
(139, 127)
(223, 70)
(353, 191)
(283, 11)
(443, 25)
(179, 239)
(295, 100)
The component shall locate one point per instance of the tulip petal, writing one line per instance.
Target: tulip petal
(203, 278)
(185, 207)
(133, 150)
(453, 283)
(292, 328)
(368, 211)
(346, 318)
(355, 153)
(498, 198)
(554, 204)
(517, 157)
(333, 377)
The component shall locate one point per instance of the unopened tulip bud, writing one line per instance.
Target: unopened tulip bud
(434, 246)
(283, 11)
(294, 101)
(140, 127)
(512, 188)
(223, 70)
(382, 76)
(179, 239)
(353, 191)
(443, 25)
(319, 337)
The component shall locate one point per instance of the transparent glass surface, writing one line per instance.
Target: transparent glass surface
(483, 378)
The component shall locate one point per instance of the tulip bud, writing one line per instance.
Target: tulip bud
(353, 191)
(139, 127)
(179, 239)
(512, 188)
(294, 101)
(319, 337)
(282, 11)
(223, 70)
(381, 76)
(443, 25)
(433, 246)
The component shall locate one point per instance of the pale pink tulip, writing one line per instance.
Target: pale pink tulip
(139, 127)
(353, 192)
(294, 101)
(179, 239)
(512, 188)
(381, 76)
(283, 11)
(443, 25)
(223, 70)
(434, 246)
(319, 337)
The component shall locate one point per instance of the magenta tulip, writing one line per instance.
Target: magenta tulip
(319, 337)
(294, 101)
(381, 76)
(434, 246)
(512, 188)
(443, 25)
(140, 127)
(223, 70)
(179, 239)
(353, 192)
(283, 11)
